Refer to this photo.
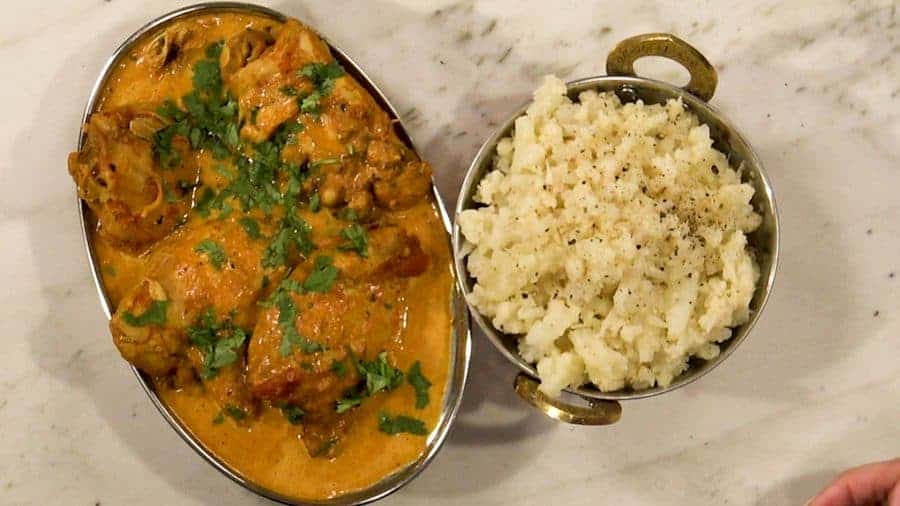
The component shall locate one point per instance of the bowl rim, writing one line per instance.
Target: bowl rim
(460, 338)
(486, 151)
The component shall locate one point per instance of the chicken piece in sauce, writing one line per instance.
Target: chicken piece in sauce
(136, 200)
(356, 318)
(347, 137)
(209, 266)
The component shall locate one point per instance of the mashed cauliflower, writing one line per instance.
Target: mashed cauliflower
(612, 240)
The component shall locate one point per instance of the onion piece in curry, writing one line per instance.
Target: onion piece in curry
(272, 251)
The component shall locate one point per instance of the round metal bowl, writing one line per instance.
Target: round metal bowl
(603, 407)
(460, 342)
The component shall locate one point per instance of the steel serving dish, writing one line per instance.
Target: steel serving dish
(460, 333)
(591, 406)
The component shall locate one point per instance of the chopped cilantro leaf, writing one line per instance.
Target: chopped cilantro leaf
(213, 251)
(322, 76)
(169, 110)
(293, 235)
(420, 383)
(310, 103)
(214, 50)
(218, 342)
(346, 403)
(231, 135)
(339, 368)
(348, 214)
(325, 449)
(204, 203)
(314, 202)
(207, 76)
(400, 424)
(319, 73)
(154, 315)
(168, 155)
(195, 136)
(322, 277)
(231, 411)
(289, 91)
(224, 210)
(251, 227)
(379, 374)
(292, 413)
(324, 161)
(169, 196)
(290, 338)
(287, 133)
(235, 412)
(358, 240)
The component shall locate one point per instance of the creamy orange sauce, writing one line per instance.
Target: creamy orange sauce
(265, 448)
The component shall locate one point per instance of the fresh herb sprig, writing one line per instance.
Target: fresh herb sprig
(214, 252)
(376, 375)
(401, 424)
(419, 383)
(219, 342)
(322, 76)
(153, 315)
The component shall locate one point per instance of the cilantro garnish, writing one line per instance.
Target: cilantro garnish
(339, 368)
(324, 161)
(154, 315)
(251, 227)
(209, 118)
(322, 76)
(420, 383)
(287, 133)
(322, 277)
(232, 411)
(295, 234)
(314, 202)
(235, 412)
(325, 448)
(400, 424)
(213, 251)
(347, 214)
(218, 342)
(287, 317)
(292, 413)
(169, 196)
(204, 203)
(165, 152)
(358, 240)
(347, 403)
(377, 375)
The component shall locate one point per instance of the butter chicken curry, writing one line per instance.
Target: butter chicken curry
(272, 252)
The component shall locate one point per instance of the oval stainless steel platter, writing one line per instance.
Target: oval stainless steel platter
(460, 331)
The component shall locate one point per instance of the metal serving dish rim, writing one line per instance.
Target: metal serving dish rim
(460, 326)
(486, 153)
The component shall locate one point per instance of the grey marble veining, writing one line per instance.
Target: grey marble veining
(814, 85)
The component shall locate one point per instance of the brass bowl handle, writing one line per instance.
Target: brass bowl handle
(596, 413)
(620, 61)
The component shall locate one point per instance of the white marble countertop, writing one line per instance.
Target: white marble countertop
(816, 388)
